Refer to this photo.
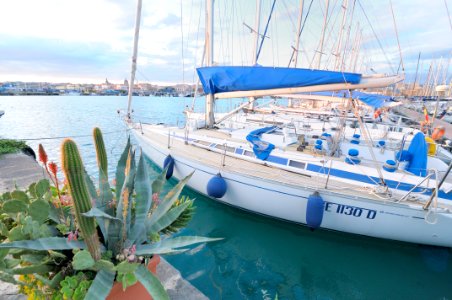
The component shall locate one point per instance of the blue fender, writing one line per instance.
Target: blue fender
(169, 161)
(217, 187)
(314, 210)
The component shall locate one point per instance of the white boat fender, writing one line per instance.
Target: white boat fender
(314, 210)
(169, 162)
(216, 186)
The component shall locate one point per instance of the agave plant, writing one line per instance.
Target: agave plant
(117, 230)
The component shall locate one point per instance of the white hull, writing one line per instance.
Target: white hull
(354, 213)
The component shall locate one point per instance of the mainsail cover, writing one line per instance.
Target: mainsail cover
(219, 79)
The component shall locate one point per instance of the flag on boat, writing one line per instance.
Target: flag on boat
(426, 114)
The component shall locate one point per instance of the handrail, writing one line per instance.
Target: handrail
(415, 187)
(435, 192)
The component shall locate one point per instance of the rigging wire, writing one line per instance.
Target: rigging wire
(397, 35)
(375, 34)
(301, 30)
(265, 31)
(448, 14)
(182, 43)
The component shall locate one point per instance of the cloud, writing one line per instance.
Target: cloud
(92, 39)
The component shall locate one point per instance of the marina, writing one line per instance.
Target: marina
(298, 150)
(259, 255)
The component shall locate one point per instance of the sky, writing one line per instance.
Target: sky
(89, 41)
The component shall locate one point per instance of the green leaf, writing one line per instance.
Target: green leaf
(97, 213)
(143, 203)
(101, 286)
(158, 183)
(42, 187)
(151, 283)
(105, 265)
(20, 195)
(39, 210)
(120, 175)
(7, 278)
(11, 263)
(39, 269)
(33, 258)
(168, 218)
(127, 280)
(3, 229)
(14, 206)
(51, 243)
(169, 245)
(126, 267)
(32, 190)
(105, 193)
(167, 201)
(82, 260)
(6, 196)
(16, 234)
(3, 253)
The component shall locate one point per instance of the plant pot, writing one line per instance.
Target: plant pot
(136, 291)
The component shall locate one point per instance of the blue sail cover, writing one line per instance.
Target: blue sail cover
(418, 151)
(221, 79)
(373, 100)
(261, 149)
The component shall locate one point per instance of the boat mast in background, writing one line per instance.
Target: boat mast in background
(210, 118)
(134, 57)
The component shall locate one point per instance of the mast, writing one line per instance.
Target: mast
(339, 44)
(415, 76)
(209, 60)
(134, 57)
(297, 40)
(297, 44)
(323, 33)
(257, 25)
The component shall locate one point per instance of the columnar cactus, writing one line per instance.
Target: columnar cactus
(101, 154)
(74, 171)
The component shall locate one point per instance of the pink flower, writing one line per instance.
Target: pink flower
(72, 236)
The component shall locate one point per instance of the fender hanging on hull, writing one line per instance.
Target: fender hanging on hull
(314, 210)
(169, 161)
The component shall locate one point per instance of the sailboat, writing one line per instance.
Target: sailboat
(312, 189)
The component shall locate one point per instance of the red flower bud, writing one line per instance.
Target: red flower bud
(42, 154)
(53, 168)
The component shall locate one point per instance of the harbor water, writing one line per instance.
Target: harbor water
(259, 257)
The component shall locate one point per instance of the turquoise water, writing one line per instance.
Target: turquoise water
(259, 257)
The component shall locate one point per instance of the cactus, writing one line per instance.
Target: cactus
(101, 154)
(73, 168)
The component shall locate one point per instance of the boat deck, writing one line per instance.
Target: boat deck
(262, 170)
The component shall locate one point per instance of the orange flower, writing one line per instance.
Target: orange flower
(53, 168)
(42, 154)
